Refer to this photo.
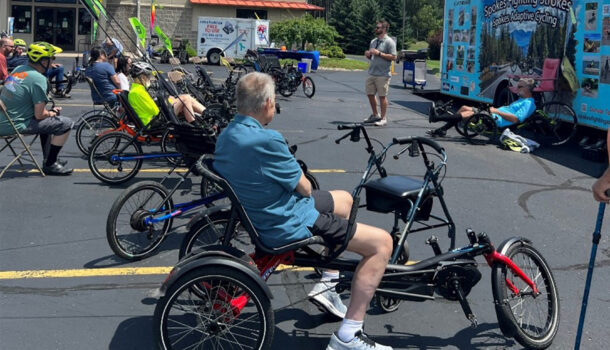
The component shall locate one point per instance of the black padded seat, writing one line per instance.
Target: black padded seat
(385, 194)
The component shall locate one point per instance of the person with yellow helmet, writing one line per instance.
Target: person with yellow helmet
(17, 58)
(29, 83)
(57, 71)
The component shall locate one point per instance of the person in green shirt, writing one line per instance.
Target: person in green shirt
(25, 97)
(146, 108)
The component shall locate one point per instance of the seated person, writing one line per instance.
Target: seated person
(25, 97)
(6, 47)
(122, 69)
(113, 49)
(505, 116)
(283, 208)
(57, 71)
(145, 106)
(17, 58)
(104, 77)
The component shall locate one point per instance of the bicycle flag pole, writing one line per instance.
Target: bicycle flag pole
(585, 297)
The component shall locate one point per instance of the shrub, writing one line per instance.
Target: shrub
(332, 52)
(434, 44)
(309, 47)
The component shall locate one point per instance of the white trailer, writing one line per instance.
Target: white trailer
(230, 37)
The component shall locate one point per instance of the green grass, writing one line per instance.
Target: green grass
(344, 63)
(434, 66)
(418, 45)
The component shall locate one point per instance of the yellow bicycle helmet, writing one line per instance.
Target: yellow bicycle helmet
(42, 49)
(19, 42)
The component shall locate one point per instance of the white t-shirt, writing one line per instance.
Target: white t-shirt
(124, 81)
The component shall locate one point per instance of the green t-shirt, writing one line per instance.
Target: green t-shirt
(24, 88)
(141, 102)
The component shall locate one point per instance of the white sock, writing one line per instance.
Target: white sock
(329, 276)
(348, 330)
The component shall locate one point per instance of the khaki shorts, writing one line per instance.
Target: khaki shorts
(377, 85)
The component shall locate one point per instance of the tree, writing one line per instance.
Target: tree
(343, 16)
(427, 20)
(368, 16)
(302, 30)
(392, 12)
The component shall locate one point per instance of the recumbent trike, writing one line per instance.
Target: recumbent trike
(217, 298)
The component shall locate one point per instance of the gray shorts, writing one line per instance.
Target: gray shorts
(57, 125)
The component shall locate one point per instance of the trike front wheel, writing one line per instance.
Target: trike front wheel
(558, 124)
(480, 129)
(533, 320)
(114, 158)
(214, 307)
(130, 231)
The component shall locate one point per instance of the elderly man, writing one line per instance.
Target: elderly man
(283, 208)
(6, 47)
(514, 113)
(25, 97)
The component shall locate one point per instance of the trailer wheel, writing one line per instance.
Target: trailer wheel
(214, 57)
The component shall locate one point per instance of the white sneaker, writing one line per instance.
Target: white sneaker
(360, 342)
(381, 122)
(372, 118)
(324, 296)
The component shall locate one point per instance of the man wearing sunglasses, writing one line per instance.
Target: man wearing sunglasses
(514, 113)
(381, 52)
(6, 47)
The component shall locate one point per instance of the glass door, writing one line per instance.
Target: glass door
(55, 26)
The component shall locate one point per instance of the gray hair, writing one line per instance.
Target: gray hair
(531, 83)
(253, 91)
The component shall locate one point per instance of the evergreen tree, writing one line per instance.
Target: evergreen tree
(368, 16)
(392, 11)
(343, 16)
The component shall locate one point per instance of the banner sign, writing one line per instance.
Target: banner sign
(166, 41)
(139, 29)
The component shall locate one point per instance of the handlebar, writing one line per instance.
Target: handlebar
(410, 139)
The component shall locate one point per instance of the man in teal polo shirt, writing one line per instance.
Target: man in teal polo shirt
(283, 208)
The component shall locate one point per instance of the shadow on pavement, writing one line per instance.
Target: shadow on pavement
(133, 333)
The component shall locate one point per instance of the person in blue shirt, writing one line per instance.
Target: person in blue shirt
(283, 208)
(104, 77)
(514, 113)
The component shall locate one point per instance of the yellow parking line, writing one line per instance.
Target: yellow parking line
(105, 272)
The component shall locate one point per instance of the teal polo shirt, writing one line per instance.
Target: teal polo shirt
(258, 165)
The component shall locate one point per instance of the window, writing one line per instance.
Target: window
(58, 1)
(23, 19)
(245, 13)
(84, 22)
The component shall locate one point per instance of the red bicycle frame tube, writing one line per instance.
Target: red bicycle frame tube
(494, 257)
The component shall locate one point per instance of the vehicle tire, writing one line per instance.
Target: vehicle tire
(314, 182)
(168, 145)
(309, 88)
(214, 57)
(516, 312)
(183, 314)
(90, 128)
(557, 124)
(480, 129)
(390, 304)
(128, 235)
(211, 230)
(117, 171)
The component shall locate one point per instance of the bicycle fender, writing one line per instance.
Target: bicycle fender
(207, 212)
(503, 247)
(211, 258)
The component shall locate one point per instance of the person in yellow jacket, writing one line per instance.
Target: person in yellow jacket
(146, 108)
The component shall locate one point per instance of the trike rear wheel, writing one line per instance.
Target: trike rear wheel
(128, 234)
(557, 124)
(309, 88)
(533, 320)
(92, 127)
(214, 307)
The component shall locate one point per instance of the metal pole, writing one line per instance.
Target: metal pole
(138, 9)
(404, 13)
(596, 237)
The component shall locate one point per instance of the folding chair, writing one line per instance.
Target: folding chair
(8, 139)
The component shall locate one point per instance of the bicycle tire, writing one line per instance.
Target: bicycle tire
(312, 179)
(480, 129)
(309, 88)
(92, 127)
(459, 127)
(510, 315)
(558, 124)
(182, 310)
(168, 145)
(130, 208)
(107, 146)
(390, 304)
(211, 230)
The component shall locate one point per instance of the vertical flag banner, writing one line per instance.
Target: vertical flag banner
(101, 7)
(91, 8)
(153, 13)
(93, 30)
(166, 41)
(139, 29)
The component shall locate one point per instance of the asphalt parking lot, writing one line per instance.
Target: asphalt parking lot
(61, 287)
